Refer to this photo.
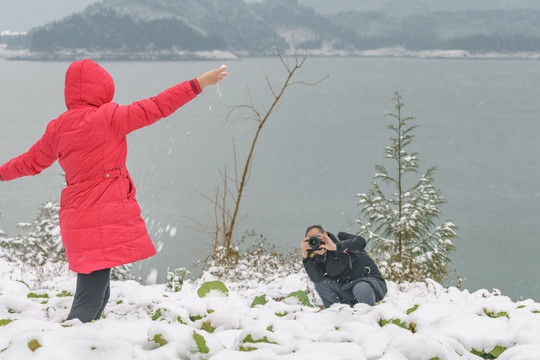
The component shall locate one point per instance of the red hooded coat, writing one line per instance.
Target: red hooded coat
(100, 220)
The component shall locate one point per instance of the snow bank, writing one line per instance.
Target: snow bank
(421, 321)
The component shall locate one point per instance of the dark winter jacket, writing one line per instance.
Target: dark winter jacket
(349, 264)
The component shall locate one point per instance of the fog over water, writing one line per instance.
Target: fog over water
(479, 124)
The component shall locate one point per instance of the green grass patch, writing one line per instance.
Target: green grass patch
(492, 314)
(195, 317)
(119, 302)
(34, 345)
(493, 354)
(281, 314)
(397, 322)
(411, 310)
(249, 339)
(4, 322)
(249, 348)
(22, 282)
(302, 297)
(259, 300)
(36, 296)
(201, 343)
(159, 339)
(156, 315)
(64, 293)
(207, 326)
(212, 285)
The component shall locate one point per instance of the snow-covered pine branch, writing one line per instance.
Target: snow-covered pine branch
(39, 255)
(401, 227)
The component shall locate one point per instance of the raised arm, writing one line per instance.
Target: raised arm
(125, 119)
(40, 156)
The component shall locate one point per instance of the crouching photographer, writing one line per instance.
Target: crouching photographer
(341, 269)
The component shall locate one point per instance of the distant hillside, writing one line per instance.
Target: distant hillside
(476, 31)
(161, 29)
(107, 30)
(402, 8)
(141, 25)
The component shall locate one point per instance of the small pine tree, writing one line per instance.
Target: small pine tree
(42, 244)
(41, 249)
(2, 233)
(400, 228)
(2, 238)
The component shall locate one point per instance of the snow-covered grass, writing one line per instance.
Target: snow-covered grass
(415, 321)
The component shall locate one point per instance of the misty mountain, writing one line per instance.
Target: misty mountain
(401, 8)
(251, 28)
(472, 30)
(142, 25)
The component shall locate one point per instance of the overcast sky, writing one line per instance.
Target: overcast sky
(22, 15)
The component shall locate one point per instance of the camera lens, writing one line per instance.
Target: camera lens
(314, 242)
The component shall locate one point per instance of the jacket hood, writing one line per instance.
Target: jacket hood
(87, 83)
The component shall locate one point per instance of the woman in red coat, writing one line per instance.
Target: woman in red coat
(100, 220)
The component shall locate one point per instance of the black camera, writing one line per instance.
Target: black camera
(314, 242)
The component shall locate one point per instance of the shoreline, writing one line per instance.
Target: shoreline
(181, 55)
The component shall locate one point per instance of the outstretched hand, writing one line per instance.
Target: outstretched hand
(212, 77)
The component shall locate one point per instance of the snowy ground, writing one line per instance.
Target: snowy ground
(417, 321)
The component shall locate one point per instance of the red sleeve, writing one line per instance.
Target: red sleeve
(40, 156)
(128, 118)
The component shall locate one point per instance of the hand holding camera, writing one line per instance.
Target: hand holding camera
(317, 244)
(312, 246)
(327, 243)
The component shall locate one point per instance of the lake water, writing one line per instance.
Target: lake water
(479, 124)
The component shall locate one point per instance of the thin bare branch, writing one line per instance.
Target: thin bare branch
(309, 84)
(235, 162)
(227, 199)
(270, 85)
(278, 54)
(255, 111)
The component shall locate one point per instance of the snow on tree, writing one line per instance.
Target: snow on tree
(42, 243)
(40, 253)
(401, 227)
(2, 237)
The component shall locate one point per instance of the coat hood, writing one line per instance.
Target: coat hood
(87, 83)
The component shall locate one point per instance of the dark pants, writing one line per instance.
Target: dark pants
(91, 296)
(331, 292)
